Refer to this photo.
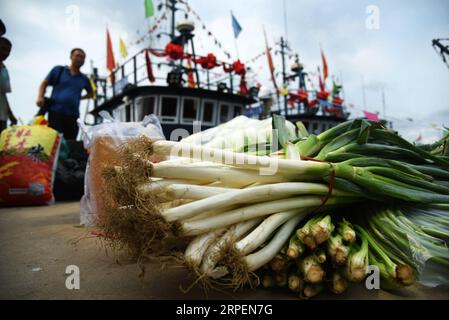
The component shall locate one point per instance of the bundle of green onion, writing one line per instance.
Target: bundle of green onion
(231, 213)
(405, 245)
(324, 252)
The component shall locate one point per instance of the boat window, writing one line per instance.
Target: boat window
(144, 106)
(224, 113)
(189, 110)
(238, 110)
(169, 109)
(208, 112)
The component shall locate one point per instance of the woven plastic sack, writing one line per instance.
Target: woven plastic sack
(28, 159)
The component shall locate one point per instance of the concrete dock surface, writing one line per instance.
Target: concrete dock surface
(38, 243)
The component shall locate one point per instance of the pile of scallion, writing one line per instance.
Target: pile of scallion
(403, 244)
(261, 207)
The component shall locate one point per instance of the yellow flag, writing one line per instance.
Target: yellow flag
(123, 50)
(94, 88)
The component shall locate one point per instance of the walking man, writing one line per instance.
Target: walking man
(68, 82)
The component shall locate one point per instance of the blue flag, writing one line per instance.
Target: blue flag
(236, 26)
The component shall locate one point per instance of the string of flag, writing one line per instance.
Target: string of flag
(257, 57)
(150, 30)
(146, 33)
(149, 12)
(209, 33)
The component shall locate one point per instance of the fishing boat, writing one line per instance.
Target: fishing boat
(186, 92)
(299, 100)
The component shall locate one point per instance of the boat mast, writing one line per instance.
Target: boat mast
(172, 7)
(284, 46)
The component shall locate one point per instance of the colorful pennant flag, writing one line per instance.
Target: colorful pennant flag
(123, 50)
(270, 61)
(94, 88)
(149, 9)
(325, 70)
(284, 92)
(235, 26)
(110, 61)
(371, 116)
(336, 88)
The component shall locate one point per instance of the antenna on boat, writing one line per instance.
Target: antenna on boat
(172, 8)
(342, 86)
(284, 46)
(285, 21)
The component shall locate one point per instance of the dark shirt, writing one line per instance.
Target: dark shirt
(66, 93)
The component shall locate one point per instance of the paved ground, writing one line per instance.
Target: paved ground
(38, 243)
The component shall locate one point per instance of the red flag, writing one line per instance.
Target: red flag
(149, 67)
(325, 71)
(110, 61)
(270, 62)
(371, 116)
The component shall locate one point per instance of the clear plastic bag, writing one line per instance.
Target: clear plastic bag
(419, 238)
(149, 126)
(102, 141)
(238, 133)
(429, 245)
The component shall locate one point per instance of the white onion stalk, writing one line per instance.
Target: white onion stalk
(241, 160)
(194, 252)
(159, 185)
(263, 256)
(256, 210)
(225, 174)
(189, 191)
(213, 253)
(174, 203)
(264, 231)
(259, 258)
(249, 195)
(211, 213)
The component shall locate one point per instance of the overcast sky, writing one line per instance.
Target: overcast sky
(396, 57)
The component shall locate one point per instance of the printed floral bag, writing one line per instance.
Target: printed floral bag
(28, 159)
